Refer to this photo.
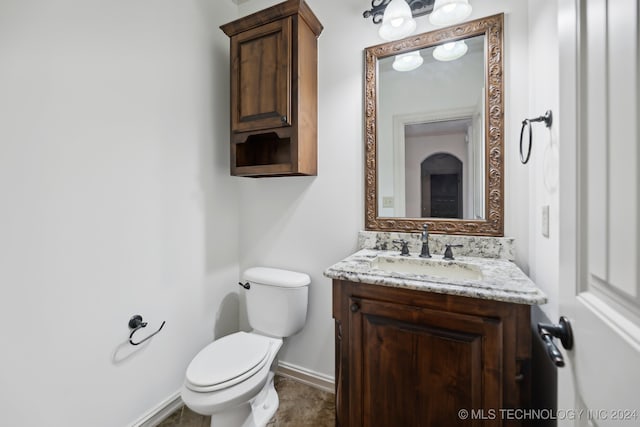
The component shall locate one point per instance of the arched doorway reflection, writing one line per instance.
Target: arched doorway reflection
(441, 186)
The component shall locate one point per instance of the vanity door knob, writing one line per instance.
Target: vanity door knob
(355, 307)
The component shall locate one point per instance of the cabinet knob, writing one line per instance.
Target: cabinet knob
(355, 307)
(284, 119)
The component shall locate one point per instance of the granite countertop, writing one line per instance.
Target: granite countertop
(501, 279)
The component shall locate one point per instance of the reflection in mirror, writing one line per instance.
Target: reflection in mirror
(431, 143)
(434, 131)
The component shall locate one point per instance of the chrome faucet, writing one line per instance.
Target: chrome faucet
(425, 242)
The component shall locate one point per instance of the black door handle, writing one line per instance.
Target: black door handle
(563, 332)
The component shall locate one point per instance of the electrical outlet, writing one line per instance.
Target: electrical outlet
(545, 220)
(387, 202)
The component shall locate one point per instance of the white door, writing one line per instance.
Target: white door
(600, 212)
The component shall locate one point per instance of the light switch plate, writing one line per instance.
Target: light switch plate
(545, 220)
(387, 202)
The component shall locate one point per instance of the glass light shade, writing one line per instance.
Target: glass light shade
(397, 21)
(449, 12)
(407, 61)
(450, 51)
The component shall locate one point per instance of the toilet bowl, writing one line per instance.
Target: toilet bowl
(231, 379)
(235, 384)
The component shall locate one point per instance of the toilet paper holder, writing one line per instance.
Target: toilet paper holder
(136, 323)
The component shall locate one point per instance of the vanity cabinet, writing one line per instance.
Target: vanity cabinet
(274, 91)
(413, 358)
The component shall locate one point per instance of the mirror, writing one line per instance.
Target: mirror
(434, 134)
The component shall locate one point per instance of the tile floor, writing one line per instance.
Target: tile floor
(300, 406)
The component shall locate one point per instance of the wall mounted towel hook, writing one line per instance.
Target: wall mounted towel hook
(136, 323)
(526, 123)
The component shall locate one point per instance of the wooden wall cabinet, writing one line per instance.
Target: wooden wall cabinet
(413, 358)
(274, 85)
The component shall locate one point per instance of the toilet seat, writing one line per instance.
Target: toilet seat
(227, 362)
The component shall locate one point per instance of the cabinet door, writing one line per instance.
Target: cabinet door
(261, 77)
(412, 366)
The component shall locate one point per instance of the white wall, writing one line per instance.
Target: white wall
(544, 164)
(116, 197)
(309, 223)
(115, 200)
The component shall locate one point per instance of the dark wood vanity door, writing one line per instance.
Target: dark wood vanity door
(261, 77)
(414, 366)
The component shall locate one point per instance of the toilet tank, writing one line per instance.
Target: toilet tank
(276, 300)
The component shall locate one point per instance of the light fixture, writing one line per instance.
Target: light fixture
(397, 21)
(450, 51)
(449, 12)
(418, 8)
(407, 61)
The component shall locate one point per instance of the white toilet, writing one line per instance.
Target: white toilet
(231, 379)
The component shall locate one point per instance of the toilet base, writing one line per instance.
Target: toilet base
(237, 416)
(255, 413)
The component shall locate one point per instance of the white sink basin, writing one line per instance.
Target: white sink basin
(453, 270)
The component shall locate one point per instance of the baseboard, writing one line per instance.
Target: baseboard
(174, 402)
(306, 376)
(160, 412)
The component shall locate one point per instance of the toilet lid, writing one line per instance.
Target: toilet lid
(227, 361)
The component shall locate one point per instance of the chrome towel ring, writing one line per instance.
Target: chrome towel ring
(547, 119)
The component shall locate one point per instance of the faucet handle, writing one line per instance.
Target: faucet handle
(448, 253)
(404, 250)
